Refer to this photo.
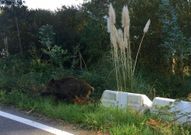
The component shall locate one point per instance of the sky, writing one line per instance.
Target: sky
(51, 4)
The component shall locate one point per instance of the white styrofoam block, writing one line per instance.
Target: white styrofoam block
(109, 98)
(172, 109)
(135, 101)
(161, 104)
(123, 99)
(120, 99)
(182, 110)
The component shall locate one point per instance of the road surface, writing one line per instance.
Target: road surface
(17, 124)
(10, 127)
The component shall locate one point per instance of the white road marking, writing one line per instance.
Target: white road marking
(34, 124)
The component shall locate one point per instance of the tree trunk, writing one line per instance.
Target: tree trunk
(19, 36)
(6, 45)
(179, 65)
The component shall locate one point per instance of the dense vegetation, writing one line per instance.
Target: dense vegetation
(110, 121)
(38, 45)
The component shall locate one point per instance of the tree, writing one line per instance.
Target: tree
(177, 45)
(12, 4)
(56, 53)
(183, 9)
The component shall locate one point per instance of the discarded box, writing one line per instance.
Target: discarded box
(138, 102)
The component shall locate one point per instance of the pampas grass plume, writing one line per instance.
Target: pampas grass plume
(121, 49)
(108, 25)
(112, 16)
(120, 39)
(145, 30)
(125, 17)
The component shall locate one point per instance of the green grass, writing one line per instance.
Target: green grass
(93, 116)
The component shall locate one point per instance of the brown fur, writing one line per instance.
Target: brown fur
(69, 88)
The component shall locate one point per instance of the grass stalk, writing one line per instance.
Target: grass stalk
(138, 51)
(121, 49)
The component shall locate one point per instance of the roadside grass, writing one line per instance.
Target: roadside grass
(111, 121)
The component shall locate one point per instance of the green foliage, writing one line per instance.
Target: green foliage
(183, 15)
(12, 3)
(94, 47)
(11, 68)
(130, 130)
(97, 80)
(176, 44)
(92, 116)
(69, 27)
(56, 53)
(2, 96)
(46, 35)
(31, 76)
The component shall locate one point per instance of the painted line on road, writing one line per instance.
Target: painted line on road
(34, 124)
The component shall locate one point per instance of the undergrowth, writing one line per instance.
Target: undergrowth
(113, 121)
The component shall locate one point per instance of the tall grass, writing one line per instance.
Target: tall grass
(121, 49)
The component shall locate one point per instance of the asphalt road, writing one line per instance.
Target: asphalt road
(10, 127)
(14, 122)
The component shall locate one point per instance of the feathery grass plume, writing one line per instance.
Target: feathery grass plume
(112, 16)
(126, 23)
(145, 30)
(114, 41)
(125, 17)
(127, 59)
(120, 39)
(108, 25)
(121, 49)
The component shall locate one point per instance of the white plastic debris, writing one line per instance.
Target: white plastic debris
(138, 102)
(176, 110)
